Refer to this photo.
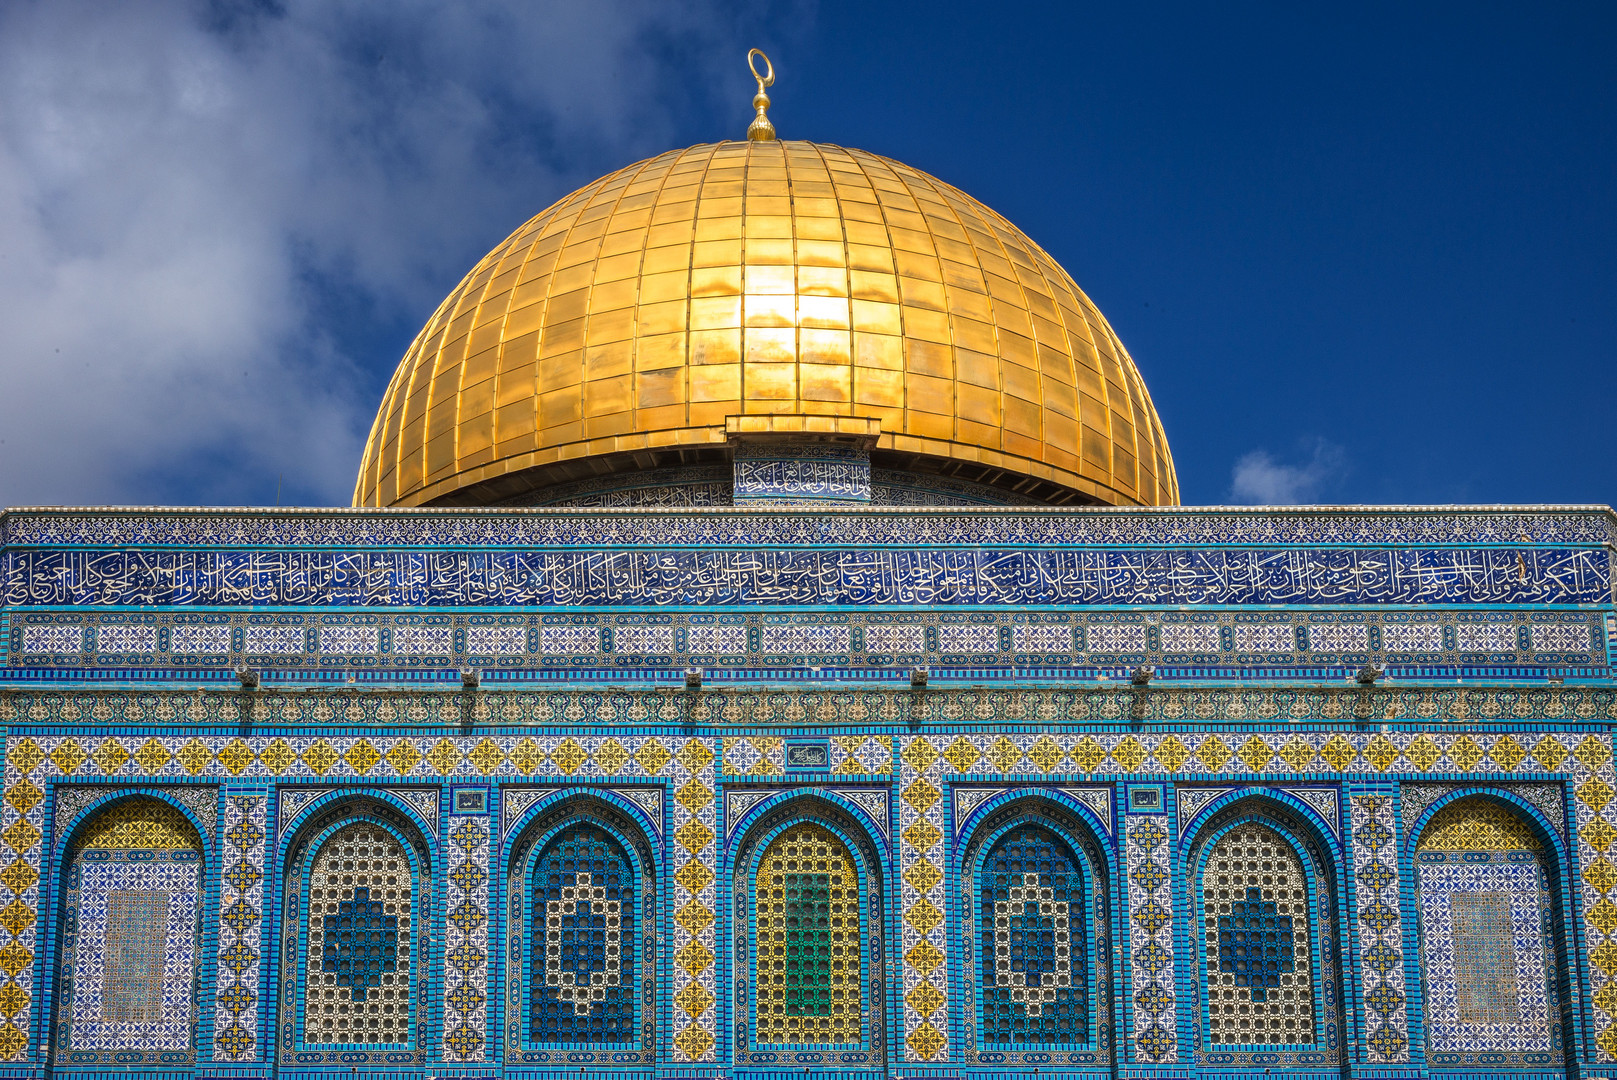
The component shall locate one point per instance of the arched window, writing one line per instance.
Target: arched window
(586, 917)
(1257, 962)
(1488, 953)
(583, 974)
(1040, 930)
(807, 905)
(131, 937)
(360, 938)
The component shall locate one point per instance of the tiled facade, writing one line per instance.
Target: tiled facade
(807, 862)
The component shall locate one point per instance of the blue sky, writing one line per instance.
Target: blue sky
(1360, 255)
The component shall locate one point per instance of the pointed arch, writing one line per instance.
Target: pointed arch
(130, 956)
(581, 901)
(1262, 883)
(1034, 895)
(809, 964)
(1493, 967)
(358, 895)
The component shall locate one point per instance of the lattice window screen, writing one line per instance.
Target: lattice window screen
(1255, 920)
(1034, 941)
(584, 940)
(360, 924)
(808, 940)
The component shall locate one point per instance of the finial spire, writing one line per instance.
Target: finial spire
(761, 130)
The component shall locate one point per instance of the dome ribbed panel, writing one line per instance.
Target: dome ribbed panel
(787, 278)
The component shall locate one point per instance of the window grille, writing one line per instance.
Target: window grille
(360, 925)
(1255, 912)
(808, 924)
(584, 935)
(1034, 951)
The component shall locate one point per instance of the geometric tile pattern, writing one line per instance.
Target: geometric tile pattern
(1265, 637)
(87, 639)
(861, 754)
(808, 930)
(654, 640)
(1595, 812)
(693, 899)
(1033, 936)
(241, 920)
(134, 961)
(1151, 959)
(1485, 637)
(361, 931)
(584, 922)
(32, 760)
(1381, 934)
(52, 639)
(476, 526)
(466, 945)
(797, 637)
(1196, 637)
(923, 933)
(1412, 637)
(1487, 970)
(126, 638)
(1257, 941)
(968, 638)
(1338, 637)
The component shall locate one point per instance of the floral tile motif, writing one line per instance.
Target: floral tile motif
(466, 944)
(1381, 946)
(126, 639)
(1151, 959)
(241, 907)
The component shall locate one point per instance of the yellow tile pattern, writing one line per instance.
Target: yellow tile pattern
(144, 824)
(1477, 825)
(766, 279)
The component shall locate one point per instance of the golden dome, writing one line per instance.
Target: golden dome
(781, 286)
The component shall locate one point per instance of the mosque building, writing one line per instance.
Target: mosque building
(766, 643)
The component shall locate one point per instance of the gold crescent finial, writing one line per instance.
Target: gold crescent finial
(761, 130)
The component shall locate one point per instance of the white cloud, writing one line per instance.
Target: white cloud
(199, 204)
(1258, 478)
